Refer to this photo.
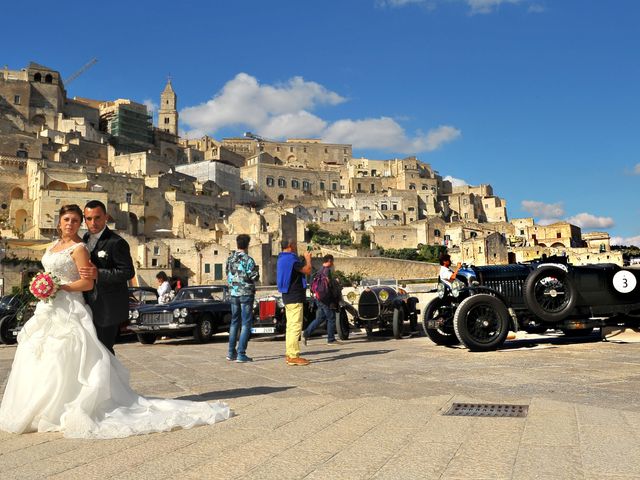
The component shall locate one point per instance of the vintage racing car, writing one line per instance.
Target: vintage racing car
(377, 303)
(484, 303)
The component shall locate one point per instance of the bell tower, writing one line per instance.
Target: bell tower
(167, 113)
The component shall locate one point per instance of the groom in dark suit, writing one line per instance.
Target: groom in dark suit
(111, 269)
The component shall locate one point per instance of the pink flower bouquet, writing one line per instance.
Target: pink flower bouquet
(44, 286)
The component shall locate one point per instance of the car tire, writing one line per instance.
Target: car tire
(342, 324)
(551, 304)
(443, 335)
(147, 338)
(481, 322)
(398, 322)
(204, 330)
(7, 323)
(577, 332)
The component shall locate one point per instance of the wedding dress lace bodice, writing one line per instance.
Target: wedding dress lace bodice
(61, 263)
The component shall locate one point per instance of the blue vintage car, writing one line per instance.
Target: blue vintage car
(200, 311)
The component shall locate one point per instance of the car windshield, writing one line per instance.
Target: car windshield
(368, 282)
(143, 296)
(200, 293)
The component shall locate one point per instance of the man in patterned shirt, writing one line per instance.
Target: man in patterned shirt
(242, 273)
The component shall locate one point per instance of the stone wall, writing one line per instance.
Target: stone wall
(387, 268)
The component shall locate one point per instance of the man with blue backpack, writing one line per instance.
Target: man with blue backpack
(242, 275)
(326, 290)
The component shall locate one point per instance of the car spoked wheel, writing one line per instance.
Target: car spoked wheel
(549, 293)
(342, 324)
(398, 322)
(481, 322)
(204, 331)
(439, 310)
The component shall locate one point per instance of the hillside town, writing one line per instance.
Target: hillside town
(180, 202)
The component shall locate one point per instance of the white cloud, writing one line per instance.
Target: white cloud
(543, 210)
(587, 220)
(243, 101)
(536, 8)
(152, 107)
(549, 213)
(384, 133)
(456, 182)
(284, 111)
(475, 6)
(628, 241)
(636, 169)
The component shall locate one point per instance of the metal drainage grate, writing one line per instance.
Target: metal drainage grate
(487, 410)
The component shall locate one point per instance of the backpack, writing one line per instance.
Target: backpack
(320, 287)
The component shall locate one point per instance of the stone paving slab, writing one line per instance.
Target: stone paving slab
(370, 409)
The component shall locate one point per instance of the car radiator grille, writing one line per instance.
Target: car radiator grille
(157, 318)
(509, 288)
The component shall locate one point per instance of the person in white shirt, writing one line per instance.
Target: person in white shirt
(447, 275)
(164, 287)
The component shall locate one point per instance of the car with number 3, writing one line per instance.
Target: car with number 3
(484, 303)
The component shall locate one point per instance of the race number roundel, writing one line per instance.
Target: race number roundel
(624, 281)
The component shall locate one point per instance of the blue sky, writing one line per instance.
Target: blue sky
(540, 98)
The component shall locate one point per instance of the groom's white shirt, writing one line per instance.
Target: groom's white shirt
(93, 239)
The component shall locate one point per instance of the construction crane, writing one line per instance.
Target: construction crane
(79, 72)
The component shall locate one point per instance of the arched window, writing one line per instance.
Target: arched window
(473, 234)
(48, 78)
(282, 182)
(295, 183)
(37, 77)
(384, 206)
(270, 181)
(436, 233)
(412, 186)
(425, 187)
(396, 217)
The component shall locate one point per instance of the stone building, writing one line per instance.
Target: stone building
(168, 113)
(129, 125)
(307, 153)
(276, 183)
(556, 235)
(491, 249)
(212, 150)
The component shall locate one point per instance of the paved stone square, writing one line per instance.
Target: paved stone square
(367, 409)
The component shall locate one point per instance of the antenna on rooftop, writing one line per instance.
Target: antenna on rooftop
(80, 71)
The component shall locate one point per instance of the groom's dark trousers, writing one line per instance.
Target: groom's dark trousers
(109, 299)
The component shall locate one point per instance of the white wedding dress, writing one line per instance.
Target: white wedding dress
(63, 379)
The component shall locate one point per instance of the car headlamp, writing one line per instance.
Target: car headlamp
(456, 286)
(184, 312)
(176, 313)
(383, 295)
(135, 314)
(441, 290)
(352, 297)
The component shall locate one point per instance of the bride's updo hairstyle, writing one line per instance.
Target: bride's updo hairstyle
(73, 208)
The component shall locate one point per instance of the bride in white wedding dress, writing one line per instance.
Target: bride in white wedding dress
(63, 379)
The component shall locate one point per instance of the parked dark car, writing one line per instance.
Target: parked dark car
(200, 311)
(269, 315)
(138, 296)
(12, 323)
(377, 303)
(485, 303)
(10, 305)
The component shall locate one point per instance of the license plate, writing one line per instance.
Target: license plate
(263, 330)
(434, 324)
